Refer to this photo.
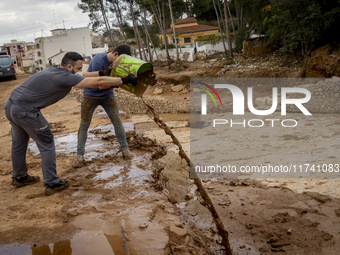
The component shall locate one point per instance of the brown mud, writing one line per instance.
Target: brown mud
(163, 217)
(206, 201)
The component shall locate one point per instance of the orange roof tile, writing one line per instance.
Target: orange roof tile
(196, 28)
(183, 21)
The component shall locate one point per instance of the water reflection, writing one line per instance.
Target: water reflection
(83, 243)
(59, 248)
(96, 146)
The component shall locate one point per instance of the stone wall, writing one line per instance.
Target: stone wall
(325, 97)
(131, 104)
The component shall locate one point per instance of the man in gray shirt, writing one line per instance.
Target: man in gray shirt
(23, 111)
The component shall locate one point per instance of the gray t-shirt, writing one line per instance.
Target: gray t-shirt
(44, 88)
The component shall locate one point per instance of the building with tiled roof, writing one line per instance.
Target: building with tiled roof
(187, 30)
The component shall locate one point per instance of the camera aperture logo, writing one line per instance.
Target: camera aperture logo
(239, 102)
(208, 92)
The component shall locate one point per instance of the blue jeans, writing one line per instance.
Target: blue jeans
(88, 105)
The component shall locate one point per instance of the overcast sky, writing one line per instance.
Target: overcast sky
(23, 19)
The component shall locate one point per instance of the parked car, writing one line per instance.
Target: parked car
(7, 67)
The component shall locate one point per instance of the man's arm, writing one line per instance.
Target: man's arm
(91, 74)
(106, 72)
(105, 82)
(102, 82)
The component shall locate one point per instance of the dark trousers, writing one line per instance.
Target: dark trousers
(27, 124)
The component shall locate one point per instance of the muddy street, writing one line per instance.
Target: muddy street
(149, 203)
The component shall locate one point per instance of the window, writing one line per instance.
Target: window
(39, 54)
(187, 40)
(40, 61)
(38, 46)
(5, 61)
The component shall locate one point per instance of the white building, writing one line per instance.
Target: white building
(62, 41)
(18, 50)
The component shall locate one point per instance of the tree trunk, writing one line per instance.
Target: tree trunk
(223, 26)
(141, 43)
(241, 19)
(221, 16)
(219, 26)
(107, 24)
(119, 18)
(173, 29)
(238, 17)
(231, 19)
(166, 47)
(147, 36)
(153, 46)
(230, 50)
(159, 22)
(135, 29)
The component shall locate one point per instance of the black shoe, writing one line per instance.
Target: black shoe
(51, 189)
(26, 180)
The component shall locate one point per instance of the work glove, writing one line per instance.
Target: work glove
(153, 80)
(107, 72)
(130, 80)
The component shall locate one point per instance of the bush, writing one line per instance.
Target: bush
(239, 38)
(213, 39)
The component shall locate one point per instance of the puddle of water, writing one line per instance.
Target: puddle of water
(128, 174)
(83, 243)
(16, 250)
(95, 146)
(107, 171)
(101, 236)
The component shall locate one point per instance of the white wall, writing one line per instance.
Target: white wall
(75, 39)
(96, 51)
(208, 49)
(57, 59)
(172, 52)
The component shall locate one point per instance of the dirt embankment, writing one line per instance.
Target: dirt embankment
(324, 62)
